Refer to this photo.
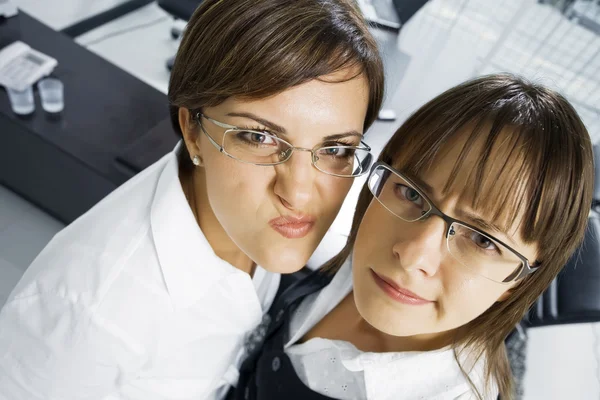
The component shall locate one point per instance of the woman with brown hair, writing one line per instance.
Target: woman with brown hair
(475, 205)
(150, 293)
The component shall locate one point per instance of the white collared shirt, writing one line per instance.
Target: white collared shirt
(339, 370)
(130, 302)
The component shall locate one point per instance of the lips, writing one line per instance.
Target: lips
(293, 226)
(393, 290)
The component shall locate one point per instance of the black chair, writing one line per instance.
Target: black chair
(574, 296)
(407, 8)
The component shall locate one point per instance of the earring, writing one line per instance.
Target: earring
(196, 160)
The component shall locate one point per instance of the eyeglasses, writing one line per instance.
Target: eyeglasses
(476, 250)
(263, 148)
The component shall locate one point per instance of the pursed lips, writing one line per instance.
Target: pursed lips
(293, 226)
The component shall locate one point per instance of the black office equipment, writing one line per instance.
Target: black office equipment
(390, 14)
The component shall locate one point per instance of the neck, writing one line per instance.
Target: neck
(369, 338)
(194, 187)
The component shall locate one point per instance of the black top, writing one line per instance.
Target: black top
(268, 373)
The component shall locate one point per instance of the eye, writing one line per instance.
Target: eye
(340, 152)
(409, 194)
(257, 138)
(483, 242)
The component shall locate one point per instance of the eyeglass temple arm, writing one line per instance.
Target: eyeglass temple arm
(217, 123)
(198, 118)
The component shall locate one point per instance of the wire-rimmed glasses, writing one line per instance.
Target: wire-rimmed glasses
(263, 148)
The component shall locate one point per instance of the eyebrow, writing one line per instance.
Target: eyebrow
(280, 129)
(467, 216)
(477, 220)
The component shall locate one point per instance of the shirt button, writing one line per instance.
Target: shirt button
(279, 315)
(276, 364)
(247, 393)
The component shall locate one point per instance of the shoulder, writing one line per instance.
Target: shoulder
(96, 288)
(90, 253)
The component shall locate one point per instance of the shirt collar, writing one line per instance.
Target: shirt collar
(326, 300)
(187, 260)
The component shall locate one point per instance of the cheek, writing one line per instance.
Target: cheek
(233, 187)
(236, 189)
(466, 297)
(331, 192)
(376, 223)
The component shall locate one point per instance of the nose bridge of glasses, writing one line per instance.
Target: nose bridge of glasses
(448, 221)
(287, 152)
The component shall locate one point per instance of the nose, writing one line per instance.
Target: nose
(423, 248)
(294, 182)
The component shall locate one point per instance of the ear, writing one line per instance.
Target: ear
(191, 132)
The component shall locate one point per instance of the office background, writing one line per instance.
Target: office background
(446, 42)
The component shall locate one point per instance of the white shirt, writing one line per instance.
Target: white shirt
(130, 302)
(338, 369)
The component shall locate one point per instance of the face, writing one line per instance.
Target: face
(415, 257)
(277, 215)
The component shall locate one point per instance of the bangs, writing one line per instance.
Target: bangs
(514, 161)
(492, 173)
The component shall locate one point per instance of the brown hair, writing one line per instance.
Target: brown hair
(552, 151)
(257, 48)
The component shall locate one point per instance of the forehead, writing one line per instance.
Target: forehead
(334, 102)
(485, 178)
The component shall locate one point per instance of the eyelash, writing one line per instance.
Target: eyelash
(258, 129)
(340, 142)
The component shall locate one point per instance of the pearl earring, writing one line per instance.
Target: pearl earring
(196, 160)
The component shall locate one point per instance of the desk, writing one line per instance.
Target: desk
(66, 165)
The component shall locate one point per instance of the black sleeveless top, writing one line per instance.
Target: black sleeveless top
(267, 373)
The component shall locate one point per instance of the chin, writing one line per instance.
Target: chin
(393, 325)
(378, 313)
(372, 314)
(284, 262)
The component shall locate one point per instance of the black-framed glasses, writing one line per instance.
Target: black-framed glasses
(476, 250)
(263, 148)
